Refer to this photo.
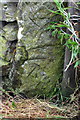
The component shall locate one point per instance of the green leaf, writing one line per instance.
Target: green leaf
(77, 64)
(70, 42)
(56, 25)
(54, 32)
(59, 32)
(74, 43)
(13, 104)
(56, 12)
(68, 15)
(61, 25)
(54, 22)
(67, 8)
(51, 27)
(78, 3)
(66, 36)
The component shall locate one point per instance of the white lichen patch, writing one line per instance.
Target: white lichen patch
(19, 36)
(20, 22)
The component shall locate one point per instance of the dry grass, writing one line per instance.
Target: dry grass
(36, 108)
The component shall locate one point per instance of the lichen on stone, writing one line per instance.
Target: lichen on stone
(43, 68)
(38, 56)
(8, 11)
(10, 31)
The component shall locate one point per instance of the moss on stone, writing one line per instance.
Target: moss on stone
(3, 47)
(38, 57)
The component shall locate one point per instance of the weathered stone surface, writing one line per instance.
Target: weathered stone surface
(43, 68)
(35, 57)
(8, 36)
(8, 11)
(3, 49)
(10, 31)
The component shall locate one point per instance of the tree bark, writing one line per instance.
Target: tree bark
(68, 83)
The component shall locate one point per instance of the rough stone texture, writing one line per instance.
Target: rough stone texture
(36, 65)
(8, 10)
(3, 49)
(43, 68)
(10, 31)
(8, 36)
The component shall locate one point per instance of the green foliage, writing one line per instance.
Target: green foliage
(59, 28)
(6, 93)
(77, 63)
(57, 96)
(13, 104)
